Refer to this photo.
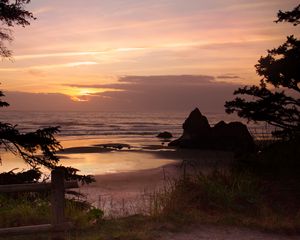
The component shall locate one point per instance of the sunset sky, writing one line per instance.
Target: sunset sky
(133, 54)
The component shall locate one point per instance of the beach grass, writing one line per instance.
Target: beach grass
(32, 208)
(259, 191)
(218, 198)
(230, 199)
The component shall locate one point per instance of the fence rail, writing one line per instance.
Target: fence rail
(33, 187)
(57, 187)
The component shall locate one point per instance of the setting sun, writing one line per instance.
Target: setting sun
(78, 94)
(78, 99)
(82, 95)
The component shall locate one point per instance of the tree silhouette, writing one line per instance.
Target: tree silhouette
(276, 100)
(12, 13)
(290, 16)
(36, 148)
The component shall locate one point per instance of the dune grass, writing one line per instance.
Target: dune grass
(260, 190)
(228, 198)
(34, 208)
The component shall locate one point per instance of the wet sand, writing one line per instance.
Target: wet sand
(128, 175)
(128, 191)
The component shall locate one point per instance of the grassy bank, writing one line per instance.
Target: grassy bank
(34, 208)
(233, 199)
(261, 190)
(224, 198)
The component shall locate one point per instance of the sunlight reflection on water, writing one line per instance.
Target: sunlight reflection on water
(94, 163)
(113, 162)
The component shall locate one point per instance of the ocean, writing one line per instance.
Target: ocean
(89, 129)
(117, 124)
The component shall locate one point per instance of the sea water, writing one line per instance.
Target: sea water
(121, 124)
(78, 129)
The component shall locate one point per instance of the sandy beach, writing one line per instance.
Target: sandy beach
(126, 178)
(128, 192)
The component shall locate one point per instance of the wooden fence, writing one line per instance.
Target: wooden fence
(57, 187)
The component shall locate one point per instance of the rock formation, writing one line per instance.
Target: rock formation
(197, 133)
(165, 135)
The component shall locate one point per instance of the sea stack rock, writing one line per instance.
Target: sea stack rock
(232, 136)
(196, 130)
(196, 124)
(197, 133)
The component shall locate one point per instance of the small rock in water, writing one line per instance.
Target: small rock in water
(118, 146)
(165, 135)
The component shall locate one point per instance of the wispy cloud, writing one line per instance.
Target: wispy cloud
(42, 10)
(133, 37)
(59, 54)
(228, 76)
(74, 54)
(52, 66)
(171, 45)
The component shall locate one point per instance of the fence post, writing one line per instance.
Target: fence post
(58, 197)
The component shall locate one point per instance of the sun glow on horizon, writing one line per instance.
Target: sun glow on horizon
(83, 59)
(82, 94)
(85, 94)
(78, 99)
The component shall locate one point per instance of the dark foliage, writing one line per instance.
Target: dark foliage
(12, 13)
(30, 176)
(290, 16)
(36, 148)
(3, 104)
(277, 99)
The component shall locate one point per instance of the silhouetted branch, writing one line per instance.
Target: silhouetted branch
(289, 16)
